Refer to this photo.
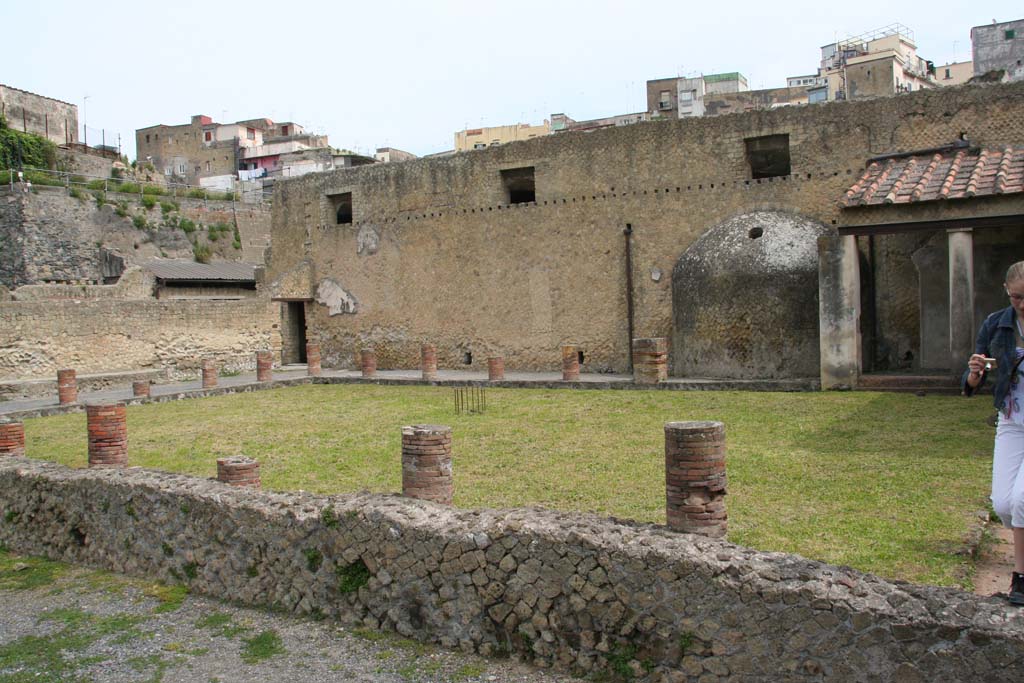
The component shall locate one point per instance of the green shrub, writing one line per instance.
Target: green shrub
(215, 231)
(139, 221)
(101, 198)
(148, 201)
(76, 193)
(98, 184)
(127, 188)
(237, 245)
(196, 193)
(25, 149)
(121, 211)
(39, 178)
(154, 189)
(227, 196)
(201, 253)
(188, 226)
(116, 173)
(167, 207)
(78, 180)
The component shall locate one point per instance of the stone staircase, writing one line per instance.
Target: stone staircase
(944, 384)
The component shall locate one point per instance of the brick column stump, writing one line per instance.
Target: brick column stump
(140, 388)
(570, 363)
(67, 386)
(427, 463)
(368, 363)
(108, 434)
(238, 470)
(650, 360)
(209, 369)
(428, 362)
(313, 368)
(264, 366)
(695, 478)
(495, 368)
(12, 437)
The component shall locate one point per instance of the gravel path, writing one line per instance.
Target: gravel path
(63, 623)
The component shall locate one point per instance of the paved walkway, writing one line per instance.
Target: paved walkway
(296, 374)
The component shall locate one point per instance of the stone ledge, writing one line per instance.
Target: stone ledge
(11, 389)
(569, 590)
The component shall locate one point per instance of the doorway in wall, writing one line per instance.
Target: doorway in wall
(293, 342)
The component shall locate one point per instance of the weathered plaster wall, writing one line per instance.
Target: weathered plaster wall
(436, 253)
(39, 337)
(31, 113)
(574, 591)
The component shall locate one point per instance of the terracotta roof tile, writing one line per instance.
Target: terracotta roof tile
(953, 174)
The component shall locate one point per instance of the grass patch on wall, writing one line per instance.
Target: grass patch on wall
(886, 483)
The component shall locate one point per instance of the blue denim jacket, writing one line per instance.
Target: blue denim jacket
(996, 339)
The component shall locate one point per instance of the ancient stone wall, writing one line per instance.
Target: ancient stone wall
(39, 337)
(436, 253)
(573, 591)
(48, 235)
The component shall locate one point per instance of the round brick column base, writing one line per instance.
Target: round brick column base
(67, 386)
(428, 361)
(695, 478)
(108, 434)
(313, 368)
(427, 463)
(264, 366)
(209, 373)
(650, 360)
(495, 368)
(12, 437)
(238, 470)
(570, 363)
(368, 363)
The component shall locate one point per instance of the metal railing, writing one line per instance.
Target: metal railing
(78, 181)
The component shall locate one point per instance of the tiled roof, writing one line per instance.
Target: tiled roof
(180, 269)
(953, 174)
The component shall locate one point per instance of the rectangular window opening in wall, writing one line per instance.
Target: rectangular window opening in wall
(342, 205)
(768, 156)
(519, 185)
(208, 136)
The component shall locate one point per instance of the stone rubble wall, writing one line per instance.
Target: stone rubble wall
(96, 336)
(568, 590)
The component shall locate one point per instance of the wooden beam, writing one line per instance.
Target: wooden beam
(976, 223)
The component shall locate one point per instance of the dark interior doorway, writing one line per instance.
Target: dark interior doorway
(293, 349)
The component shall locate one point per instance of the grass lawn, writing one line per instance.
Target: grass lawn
(886, 483)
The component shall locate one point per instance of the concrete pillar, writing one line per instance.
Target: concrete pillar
(313, 359)
(427, 463)
(108, 434)
(264, 366)
(570, 363)
(961, 298)
(428, 361)
(210, 374)
(495, 368)
(650, 360)
(695, 478)
(140, 388)
(368, 362)
(839, 311)
(67, 386)
(239, 470)
(12, 437)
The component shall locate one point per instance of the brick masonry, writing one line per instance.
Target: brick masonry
(695, 478)
(67, 386)
(650, 360)
(239, 470)
(568, 590)
(495, 368)
(209, 374)
(570, 363)
(264, 366)
(428, 361)
(313, 367)
(140, 388)
(12, 437)
(427, 463)
(368, 362)
(107, 425)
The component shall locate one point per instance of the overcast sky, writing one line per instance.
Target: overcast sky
(409, 74)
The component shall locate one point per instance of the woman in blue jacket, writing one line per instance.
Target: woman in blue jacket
(1002, 338)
